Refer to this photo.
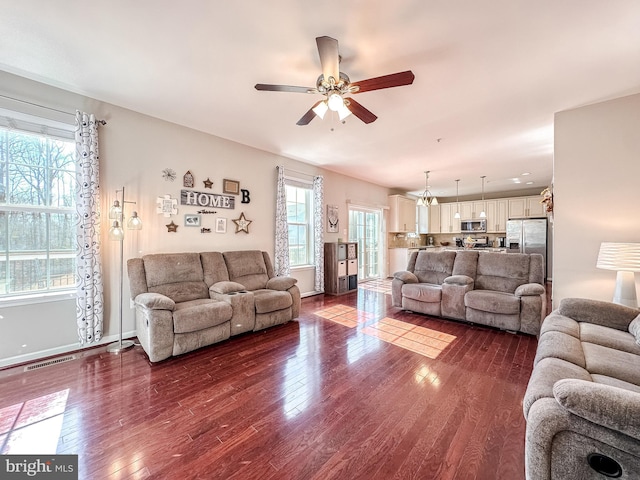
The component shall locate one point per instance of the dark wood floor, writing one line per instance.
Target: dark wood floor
(312, 399)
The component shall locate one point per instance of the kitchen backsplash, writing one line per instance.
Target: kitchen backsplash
(410, 240)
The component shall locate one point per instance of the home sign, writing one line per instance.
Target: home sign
(202, 199)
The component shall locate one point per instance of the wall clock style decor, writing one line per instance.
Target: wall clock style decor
(169, 174)
(242, 224)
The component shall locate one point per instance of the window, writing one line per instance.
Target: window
(37, 208)
(299, 216)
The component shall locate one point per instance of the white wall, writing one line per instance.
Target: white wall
(596, 193)
(134, 149)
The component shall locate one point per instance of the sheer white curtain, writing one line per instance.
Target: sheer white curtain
(90, 301)
(318, 232)
(281, 264)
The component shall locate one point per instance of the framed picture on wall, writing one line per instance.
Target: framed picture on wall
(221, 225)
(192, 220)
(332, 218)
(230, 186)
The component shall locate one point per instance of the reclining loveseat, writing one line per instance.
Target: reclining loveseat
(184, 301)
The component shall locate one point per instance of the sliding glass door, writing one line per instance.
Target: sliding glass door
(365, 227)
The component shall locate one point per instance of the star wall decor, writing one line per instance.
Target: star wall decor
(207, 183)
(172, 227)
(242, 224)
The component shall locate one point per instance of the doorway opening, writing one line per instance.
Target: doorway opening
(365, 227)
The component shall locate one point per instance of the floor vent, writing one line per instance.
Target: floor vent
(48, 363)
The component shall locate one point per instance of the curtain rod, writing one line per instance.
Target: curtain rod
(101, 122)
(311, 175)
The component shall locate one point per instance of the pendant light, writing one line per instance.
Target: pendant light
(426, 200)
(457, 215)
(483, 214)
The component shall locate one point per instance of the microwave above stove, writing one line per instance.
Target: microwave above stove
(478, 225)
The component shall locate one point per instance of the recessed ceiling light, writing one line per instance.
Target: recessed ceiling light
(515, 180)
(529, 183)
(525, 174)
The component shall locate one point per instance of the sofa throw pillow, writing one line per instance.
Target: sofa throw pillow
(634, 329)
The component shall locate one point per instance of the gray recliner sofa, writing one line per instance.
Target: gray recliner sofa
(184, 301)
(496, 289)
(582, 404)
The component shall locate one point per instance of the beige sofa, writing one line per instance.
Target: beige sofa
(582, 403)
(184, 301)
(496, 289)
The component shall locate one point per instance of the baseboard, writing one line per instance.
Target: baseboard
(63, 349)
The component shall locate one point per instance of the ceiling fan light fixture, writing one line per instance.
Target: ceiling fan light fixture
(320, 109)
(343, 112)
(335, 101)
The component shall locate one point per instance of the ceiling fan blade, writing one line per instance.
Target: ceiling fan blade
(284, 88)
(359, 111)
(386, 81)
(310, 115)
(329, 57)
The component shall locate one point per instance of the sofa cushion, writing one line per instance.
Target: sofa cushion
(612, 363)
(608, 337)
(163, 268)
(248, 268)
(634, 329)
(182, 291)
(281, 283)
(502, 272)
(226, 287)
(434, 267)
(196, 315)
(494, 302)
(560, 345)
(267, 301)
(214, 268)
(422, 292)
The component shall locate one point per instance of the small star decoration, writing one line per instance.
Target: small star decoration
(172, 227)
(207, 183)
(242, 224)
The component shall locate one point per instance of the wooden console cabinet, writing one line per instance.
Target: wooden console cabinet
(340, 267)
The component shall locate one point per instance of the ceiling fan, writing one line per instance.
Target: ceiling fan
(336, 86)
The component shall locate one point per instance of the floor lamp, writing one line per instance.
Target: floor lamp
(625, 259)
(116, 233)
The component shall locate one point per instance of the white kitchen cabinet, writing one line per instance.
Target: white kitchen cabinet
(434, 219)
(448, 222)
(526, 207)
(402, 214)
(496, 216)
(422, 215)
(466, 210)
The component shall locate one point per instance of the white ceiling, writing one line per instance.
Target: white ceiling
(489, 75)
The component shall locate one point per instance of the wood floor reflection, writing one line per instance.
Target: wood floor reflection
(329, 396)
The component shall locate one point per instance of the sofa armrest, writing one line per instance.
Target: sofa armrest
(406, 277)
(281, 283)
(155, 301)
(225, 287)
(529, 289)
(614, 408)
(598, 312)
(461, 280)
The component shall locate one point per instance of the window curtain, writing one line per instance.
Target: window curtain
(89, 302)
(281, 264)
(318, 232)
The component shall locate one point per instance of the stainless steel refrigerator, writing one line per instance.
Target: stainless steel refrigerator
(528, 236)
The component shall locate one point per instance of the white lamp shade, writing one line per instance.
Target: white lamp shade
(320, 109)
(134, 223)
(116, 232)
(619, 256)
(335, 101)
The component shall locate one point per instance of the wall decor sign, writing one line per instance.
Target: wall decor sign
(187, 180)
(245, 196)
(221, 225)
(332, 218)
(167, 206)
(203, 199)
(205, 230)
(192, 220)
(230, 186)
(207, 212)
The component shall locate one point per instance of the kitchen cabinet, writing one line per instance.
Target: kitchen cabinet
(448, 222)
(398, 260)
(402, 214)
(496, 216)
(340, 267)
(471, 210)
(434, 219)
(422, 218)
(526, 207)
